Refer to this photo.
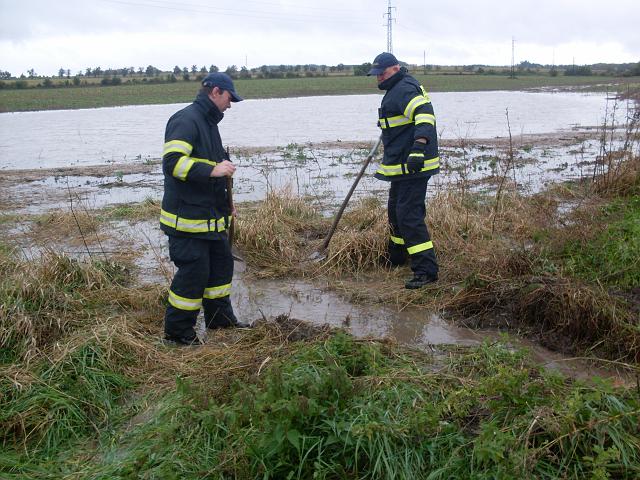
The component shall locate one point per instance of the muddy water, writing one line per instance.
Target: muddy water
(49, 139)
(315, 302)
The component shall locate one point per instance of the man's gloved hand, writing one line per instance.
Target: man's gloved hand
(415, 161)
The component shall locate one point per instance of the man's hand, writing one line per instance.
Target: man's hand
(223, 169)
(415, 160)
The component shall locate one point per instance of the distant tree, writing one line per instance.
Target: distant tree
(213, 69)
(203, 69)
(31, 72)
(76, 80)
(97, 72)
(140, 70)
(194, 69)
(171, 78)
(68, 72)
(584, 70)
(361, 70)
(5, 75)
(47, 83)
(244, 73)
(177, 70)
(61, 72)
(232, 71)
(151, 70)
(340, 67)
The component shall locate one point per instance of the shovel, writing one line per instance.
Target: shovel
(230, 231)
(321, 254)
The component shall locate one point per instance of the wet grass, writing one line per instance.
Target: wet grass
(507, 261)
(610, 256)
(12, 100)
(321, 405)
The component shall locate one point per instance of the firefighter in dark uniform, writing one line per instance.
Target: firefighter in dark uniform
(196, 213)
(410, 158)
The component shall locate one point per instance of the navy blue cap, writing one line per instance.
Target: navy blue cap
(382, 62)
(223, 82)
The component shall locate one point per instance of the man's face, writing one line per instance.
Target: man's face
(221, 98)
(388, 72)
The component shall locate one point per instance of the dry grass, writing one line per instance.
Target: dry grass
(44, 300)
(275, 236)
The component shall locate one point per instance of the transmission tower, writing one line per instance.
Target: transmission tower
(390, 20)
(513, 58)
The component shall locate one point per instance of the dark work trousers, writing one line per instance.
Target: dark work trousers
(205, 269)
(406, 210)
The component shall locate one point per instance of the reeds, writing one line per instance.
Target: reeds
(275, 234)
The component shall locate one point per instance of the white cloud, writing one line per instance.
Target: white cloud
(77, 34)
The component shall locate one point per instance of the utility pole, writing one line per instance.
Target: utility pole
(513, 58)
(390, 20)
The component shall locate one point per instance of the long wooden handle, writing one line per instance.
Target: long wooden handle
(332, 230)
(233, 220)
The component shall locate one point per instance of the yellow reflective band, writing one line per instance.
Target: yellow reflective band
(217, 292)
(183, 303)
(182, 168)
(177, 146)
(389, 170)
(425, 94)
(396, 121)
(420, 248)
(425, 118)
(168, 219)
(393, 170)
(397, 240)
(204, 160)
(190, 225)
(421, 155)
(413, 104)
(431, 164)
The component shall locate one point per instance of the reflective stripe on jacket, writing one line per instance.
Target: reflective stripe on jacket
(194, 203)
(405, 114)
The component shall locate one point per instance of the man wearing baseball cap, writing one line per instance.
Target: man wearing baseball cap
(410, 158)
(195, 213)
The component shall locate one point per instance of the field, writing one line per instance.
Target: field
(181, 92)
(89, 390)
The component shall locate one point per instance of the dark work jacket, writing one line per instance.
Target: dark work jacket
(405, 114)
(194, 203)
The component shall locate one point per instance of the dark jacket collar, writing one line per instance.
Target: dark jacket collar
(391, 81)
(208, 108)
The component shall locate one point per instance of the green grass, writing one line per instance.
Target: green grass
(338, 408)
(181, 92)
(611, 257)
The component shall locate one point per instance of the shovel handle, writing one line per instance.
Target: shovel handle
(332, 230)
(230, 230)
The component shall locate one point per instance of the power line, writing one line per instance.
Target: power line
(200, 8)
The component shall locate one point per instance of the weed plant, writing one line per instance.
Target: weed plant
(339, 408)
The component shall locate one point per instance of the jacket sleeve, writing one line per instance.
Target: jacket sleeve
(180, 136)
(419, 110)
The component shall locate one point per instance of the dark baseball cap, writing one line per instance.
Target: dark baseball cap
(223, 82)
(382, 62)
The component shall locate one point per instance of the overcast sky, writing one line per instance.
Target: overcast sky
(75, 34)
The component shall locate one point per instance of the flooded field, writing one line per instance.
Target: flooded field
(90, 159)
(63, 138)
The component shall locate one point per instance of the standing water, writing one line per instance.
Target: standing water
(59, 138)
